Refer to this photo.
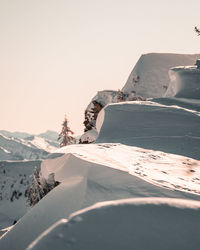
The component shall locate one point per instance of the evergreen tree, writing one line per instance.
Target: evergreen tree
(39, 188)
(64, 137)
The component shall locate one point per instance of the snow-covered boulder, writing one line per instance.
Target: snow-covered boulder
(102, 99)
(89, 136)
(185, 82)
(149, 77)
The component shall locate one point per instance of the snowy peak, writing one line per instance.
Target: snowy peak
(16, 134)
(30, 148)
(49, 135)
(19, 149)
(20, 145)
(149, 77)
(43, 144)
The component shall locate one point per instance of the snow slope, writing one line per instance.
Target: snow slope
(43, 144)
(146, 151)
(152, 125)
(93, 173)
(112, 171)
(143, 223)
(150, 78)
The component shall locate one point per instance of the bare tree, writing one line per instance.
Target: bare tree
(197, 30)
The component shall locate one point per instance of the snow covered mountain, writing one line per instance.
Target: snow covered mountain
(49, 135)
(16, 134)
(32, 147)
(144, 169)
(19, 149)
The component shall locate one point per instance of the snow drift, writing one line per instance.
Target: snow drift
(140, 168)
(185, 82)
(149, 77)
(91, 174)
(151, 125)
(144, 223)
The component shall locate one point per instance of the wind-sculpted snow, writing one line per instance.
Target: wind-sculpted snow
(102, 172)
(144, 223)
(184, 82)
(190, 105)
(144, 149)
(171, 129)
(150, 78)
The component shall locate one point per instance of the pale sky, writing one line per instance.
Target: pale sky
(56, 54)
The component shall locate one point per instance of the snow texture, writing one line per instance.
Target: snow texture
(144, 223)
(151, 125)
(89, 136)
(149, 77)
(103, 172)
(147, 152)
(185, 82)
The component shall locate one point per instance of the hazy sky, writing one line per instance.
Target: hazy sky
(56, 54)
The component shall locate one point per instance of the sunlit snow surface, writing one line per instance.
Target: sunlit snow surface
(163, 169)
(141, 223)
(146, 152)
(150, 78)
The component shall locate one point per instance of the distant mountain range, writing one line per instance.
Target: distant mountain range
(48, 135)
(20, 146)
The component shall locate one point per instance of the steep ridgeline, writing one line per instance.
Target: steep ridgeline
(150, 78)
